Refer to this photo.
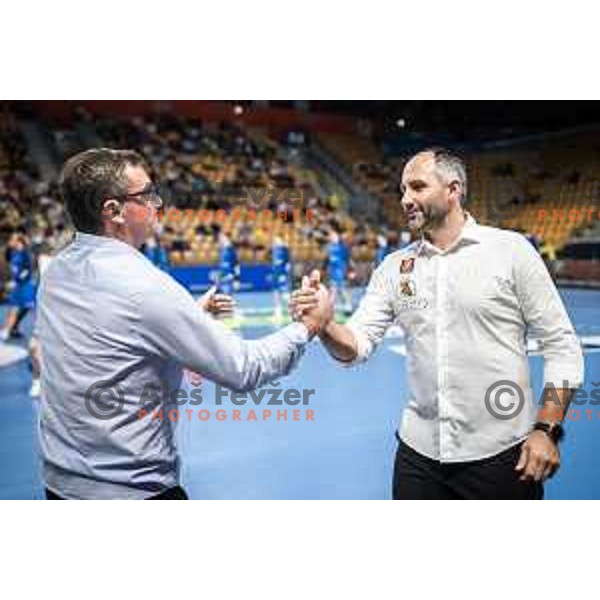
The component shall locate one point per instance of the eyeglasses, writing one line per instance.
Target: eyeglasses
(150, 194)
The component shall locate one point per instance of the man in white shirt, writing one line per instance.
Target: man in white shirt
(465, 296)
(112, 322)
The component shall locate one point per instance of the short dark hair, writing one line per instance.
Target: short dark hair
(451, 164)
(88, 178)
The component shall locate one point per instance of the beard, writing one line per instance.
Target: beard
(426, 218)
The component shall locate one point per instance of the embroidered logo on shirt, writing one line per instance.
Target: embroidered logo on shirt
(506, 285)
(408, 287)
(407, 265)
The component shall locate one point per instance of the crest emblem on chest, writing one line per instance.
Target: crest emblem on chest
(407, 287)
(407, 265)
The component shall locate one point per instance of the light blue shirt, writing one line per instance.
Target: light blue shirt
(106, 313)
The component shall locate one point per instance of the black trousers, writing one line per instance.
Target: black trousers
(417, 477)
(174, 493)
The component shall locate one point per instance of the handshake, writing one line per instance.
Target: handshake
(313, 304)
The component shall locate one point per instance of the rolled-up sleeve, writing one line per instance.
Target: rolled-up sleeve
(546, 318)
(172, 324)
(373, 316)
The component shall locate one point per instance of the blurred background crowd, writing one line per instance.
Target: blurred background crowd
(341, 161)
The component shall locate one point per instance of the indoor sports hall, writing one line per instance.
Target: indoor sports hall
(317, 183)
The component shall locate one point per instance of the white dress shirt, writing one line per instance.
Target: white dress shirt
(465, 312)
(106, 313)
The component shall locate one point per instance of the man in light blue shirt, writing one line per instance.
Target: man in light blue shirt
(109, 318)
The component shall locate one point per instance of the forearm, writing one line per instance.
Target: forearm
(540, 456)
(340, 342)
(555, 404)
(242, 365)
(190, 336)
(270, 357)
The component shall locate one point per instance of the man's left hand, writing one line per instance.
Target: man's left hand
(539, 458)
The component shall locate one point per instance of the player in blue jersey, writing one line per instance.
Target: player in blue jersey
(229, 268)
(44, 257)
(281, 269)
(404, 239)
(338, 263)
(155, 253)
(383, 248)
(228, 277)
(21, 296)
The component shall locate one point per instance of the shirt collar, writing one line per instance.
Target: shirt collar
(471, 232)
(101, 241)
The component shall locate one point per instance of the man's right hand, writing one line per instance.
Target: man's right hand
(313, 304)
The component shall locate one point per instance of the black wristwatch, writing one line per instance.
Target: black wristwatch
(554, 431)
